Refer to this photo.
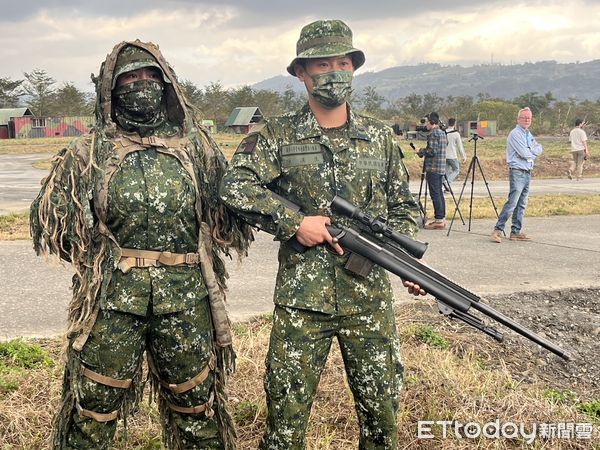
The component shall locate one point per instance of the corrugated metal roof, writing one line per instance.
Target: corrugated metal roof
(7, 113)
(242, 115)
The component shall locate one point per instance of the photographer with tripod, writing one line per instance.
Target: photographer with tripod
(521, 151)
(435, 169)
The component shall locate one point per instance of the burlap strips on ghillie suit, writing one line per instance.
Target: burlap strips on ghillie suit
(68, 220)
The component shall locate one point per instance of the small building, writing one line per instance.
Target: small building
(483, 128)
(35, 127)
(242, 119)
(7, 116)
(410, 130)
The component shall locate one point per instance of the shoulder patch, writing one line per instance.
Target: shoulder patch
(248, 145)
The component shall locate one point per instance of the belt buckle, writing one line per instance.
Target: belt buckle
(146, 262)
(191, 258)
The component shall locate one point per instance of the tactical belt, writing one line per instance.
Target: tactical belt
(131, 257)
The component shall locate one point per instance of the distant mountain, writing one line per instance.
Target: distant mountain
(578, 80)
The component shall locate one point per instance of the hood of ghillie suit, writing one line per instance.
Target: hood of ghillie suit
(127, 56)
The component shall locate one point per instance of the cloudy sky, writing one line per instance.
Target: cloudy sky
(241, 42)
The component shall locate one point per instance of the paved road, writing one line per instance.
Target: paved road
(564, 254)
(20, 183)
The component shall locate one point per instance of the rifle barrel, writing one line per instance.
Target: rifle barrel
(434, 283)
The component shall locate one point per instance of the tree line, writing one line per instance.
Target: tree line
(39, 92)
(45, 97)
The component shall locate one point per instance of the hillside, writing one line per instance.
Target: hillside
(578, 80)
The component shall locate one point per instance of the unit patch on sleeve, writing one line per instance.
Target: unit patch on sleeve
(248, 145)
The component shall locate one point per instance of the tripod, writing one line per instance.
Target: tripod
(423, 205)
(471, 172)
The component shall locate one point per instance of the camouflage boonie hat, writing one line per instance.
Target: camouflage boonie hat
(323, 39)
(132, 58)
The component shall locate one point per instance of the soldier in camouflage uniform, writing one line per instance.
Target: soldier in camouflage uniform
(309, 156)
(134, 207)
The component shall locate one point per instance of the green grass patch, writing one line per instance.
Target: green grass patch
(16, 358)
(247, 411)
(561, 397)
(567, 397)
(430, 336)
(590, 409)
(19, 354)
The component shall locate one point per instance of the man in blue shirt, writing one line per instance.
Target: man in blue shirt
(521, 151)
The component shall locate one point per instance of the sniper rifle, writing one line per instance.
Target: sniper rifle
(399, 254)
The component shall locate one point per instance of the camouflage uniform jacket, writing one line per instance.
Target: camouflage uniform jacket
(293, 156)
(151, 207)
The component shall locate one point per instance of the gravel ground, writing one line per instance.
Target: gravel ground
(568, 318)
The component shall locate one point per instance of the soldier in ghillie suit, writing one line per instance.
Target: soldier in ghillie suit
(133, 206)
(309, 156)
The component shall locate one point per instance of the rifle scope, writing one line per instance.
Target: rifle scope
(345, 208)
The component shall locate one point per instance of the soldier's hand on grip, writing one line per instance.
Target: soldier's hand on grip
(312, 231)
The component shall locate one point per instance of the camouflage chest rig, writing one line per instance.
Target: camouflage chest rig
(125, 258)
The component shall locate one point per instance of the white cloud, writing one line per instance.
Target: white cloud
(235, 45)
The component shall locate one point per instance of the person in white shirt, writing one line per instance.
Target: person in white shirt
(579, 149)
(453, 151)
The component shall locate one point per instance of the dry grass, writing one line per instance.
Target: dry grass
(228, 142)
(538, 206)
(14, 226)
(553, 163)
(43, 165)
(455, 384)
(40, 145)
(491, 151)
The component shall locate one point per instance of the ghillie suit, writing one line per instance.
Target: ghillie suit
(133, 206)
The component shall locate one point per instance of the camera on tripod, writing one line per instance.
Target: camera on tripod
(475, 136)
(422, 127)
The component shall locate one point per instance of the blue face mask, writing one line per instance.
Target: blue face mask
(332, 89)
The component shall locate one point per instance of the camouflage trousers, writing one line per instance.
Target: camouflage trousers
(298, 350)
(180, 352)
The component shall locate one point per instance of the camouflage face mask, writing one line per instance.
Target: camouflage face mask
(332, 89)
(140, 99)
